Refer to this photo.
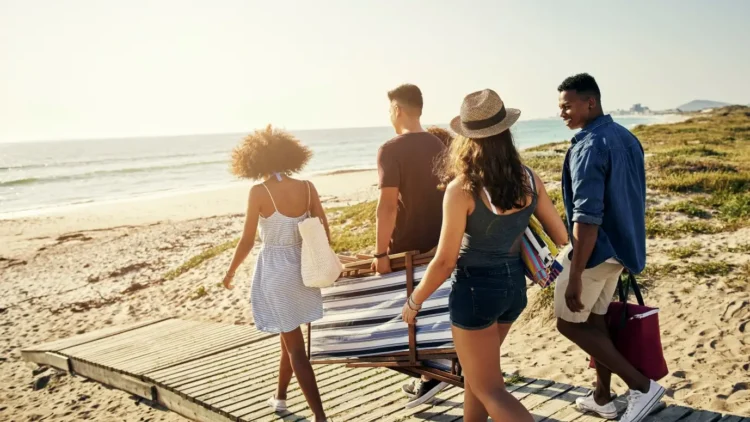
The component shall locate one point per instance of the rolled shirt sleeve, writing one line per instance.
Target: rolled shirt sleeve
(588, 177)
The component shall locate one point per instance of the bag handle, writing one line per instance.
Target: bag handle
(632, 285)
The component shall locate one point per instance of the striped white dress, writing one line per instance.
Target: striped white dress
(280, 301)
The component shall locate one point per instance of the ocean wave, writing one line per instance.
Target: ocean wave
(105, 173)
(108, 161)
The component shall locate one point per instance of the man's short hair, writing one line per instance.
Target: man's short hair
(407, 95)
(582, 83)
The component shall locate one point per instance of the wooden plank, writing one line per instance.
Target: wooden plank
(531, 387)
(186, 408)
(226, 361)
(553, 409)
(447, 407)
(161, 349)
(143, 347)
(113, 379)
(332, 397)
(128, 339)
(81, 339)
(235, 374)
(339, 383)
(233, 367)
(532, 401)
(243, 397)
(206, 386)
(731, 418)
(702, 416)
(262, 347)
(344, 406)
(670, 414)
(167, 360)
(47, 358)
(252, 393)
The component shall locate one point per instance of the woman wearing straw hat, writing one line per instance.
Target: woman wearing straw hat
(489, 199)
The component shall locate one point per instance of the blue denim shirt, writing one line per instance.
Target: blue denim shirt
(604, 183)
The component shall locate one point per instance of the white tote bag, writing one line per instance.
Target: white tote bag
(320, 265)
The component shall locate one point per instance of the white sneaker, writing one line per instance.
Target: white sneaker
(589, 405)
(641, 404)
(276, 405)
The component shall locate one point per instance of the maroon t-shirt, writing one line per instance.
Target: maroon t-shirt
(407, 162)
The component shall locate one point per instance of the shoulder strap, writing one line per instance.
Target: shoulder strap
(531, 178)
(269, 194)
(309, 197)
(489, 199)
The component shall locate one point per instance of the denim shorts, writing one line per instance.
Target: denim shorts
(483, 296)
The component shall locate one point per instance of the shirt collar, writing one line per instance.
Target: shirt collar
(599, 121)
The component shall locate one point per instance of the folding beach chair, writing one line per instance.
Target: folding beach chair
(362, 325)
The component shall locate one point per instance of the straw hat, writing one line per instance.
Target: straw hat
(483, 114)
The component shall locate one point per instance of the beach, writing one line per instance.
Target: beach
(81, 268)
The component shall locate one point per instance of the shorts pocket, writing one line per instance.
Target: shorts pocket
(489, 303)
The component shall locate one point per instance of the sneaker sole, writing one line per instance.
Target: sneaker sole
(429, 395)
(650, 406)
(609, 416)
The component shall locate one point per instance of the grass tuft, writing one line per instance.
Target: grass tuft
(199, 259)
(706, 269)
(683, 252)
(353, 227)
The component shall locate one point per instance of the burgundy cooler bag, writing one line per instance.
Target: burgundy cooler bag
(635, 332)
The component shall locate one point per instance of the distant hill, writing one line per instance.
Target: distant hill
(698, 105)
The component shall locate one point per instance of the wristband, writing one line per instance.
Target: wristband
(381, 255)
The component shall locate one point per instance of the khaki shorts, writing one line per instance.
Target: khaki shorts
(599, 286)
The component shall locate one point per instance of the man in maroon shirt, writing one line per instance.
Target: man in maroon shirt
(410, 206)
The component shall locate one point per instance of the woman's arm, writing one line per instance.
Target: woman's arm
(547, 215)
(247, 241)
(316, 209)
(456, 205)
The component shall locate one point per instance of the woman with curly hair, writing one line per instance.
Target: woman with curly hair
(281, 303)
(444, 135)
(489, 199)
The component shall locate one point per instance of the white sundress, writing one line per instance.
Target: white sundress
(280, 301)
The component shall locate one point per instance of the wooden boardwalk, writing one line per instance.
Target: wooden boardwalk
(216, 372)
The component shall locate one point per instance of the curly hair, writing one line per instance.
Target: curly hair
(444, 135)
(269, 151)
(491, 162)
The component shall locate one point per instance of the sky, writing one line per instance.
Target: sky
(72, 69)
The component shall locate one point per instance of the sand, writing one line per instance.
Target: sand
(80, 269)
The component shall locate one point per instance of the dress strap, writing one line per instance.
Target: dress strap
(269, 194)
(531, 178)
(308, 196)
(489, 199)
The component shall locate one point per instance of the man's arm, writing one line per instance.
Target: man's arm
(589, 171)
(386, 222)
(389, 175)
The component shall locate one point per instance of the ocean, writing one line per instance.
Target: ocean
(39, 176)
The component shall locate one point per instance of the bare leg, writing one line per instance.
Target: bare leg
(285, 372)
(479, 353)
(295, 347)
(474, 410)
(603, 391)
(598, 344)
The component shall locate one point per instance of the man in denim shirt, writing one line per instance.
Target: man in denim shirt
(604, 191)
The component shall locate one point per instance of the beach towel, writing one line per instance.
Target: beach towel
(538, 252)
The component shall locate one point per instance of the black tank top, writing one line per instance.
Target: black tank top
(490, 239)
